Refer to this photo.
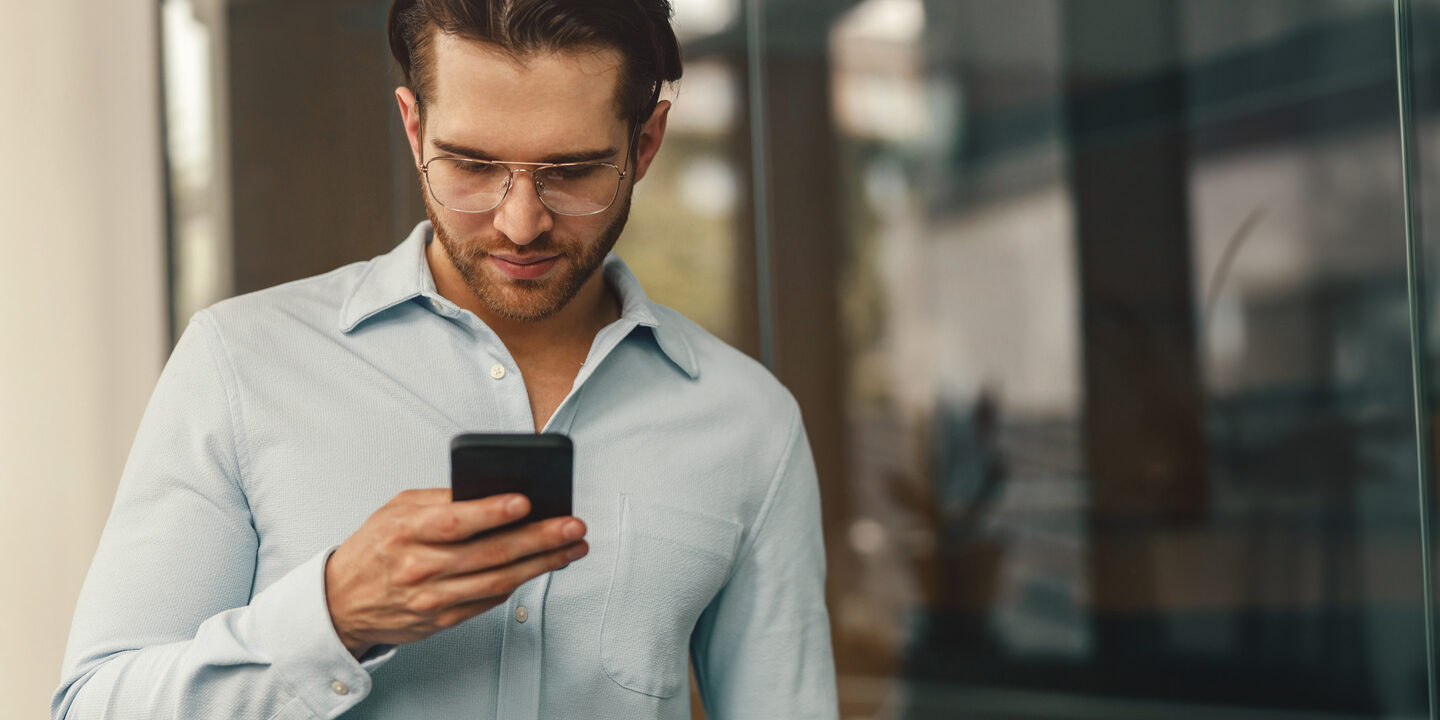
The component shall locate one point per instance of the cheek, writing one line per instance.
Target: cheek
(466, 227)
(470, 224)
(581, 229)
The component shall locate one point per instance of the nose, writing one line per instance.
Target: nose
(521, 216)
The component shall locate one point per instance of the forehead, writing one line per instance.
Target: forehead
(516, 108)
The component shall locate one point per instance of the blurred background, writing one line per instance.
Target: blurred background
(1110, 344)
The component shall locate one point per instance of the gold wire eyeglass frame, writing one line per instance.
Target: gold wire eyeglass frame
(510, 182)
(534, 167)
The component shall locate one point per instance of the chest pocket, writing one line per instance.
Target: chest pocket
(669, 565)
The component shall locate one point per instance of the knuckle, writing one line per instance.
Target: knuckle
(395, 525)
(388, 548)
(411, 569)
(446, 523)
(425, 603)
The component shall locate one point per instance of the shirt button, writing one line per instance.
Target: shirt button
(498, 371)
(521, 614)
(340, 688)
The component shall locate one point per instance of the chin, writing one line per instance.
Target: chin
(524, 300)
(518, 299)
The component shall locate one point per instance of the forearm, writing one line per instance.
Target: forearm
(214, 675)
(277, 657)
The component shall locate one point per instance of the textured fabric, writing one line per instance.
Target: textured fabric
(284, 418)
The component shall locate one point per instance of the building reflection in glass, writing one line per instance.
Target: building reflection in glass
(1128, 398)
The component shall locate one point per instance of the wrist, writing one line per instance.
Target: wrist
(356, 646)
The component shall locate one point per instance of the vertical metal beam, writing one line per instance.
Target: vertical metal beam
(1424, 439)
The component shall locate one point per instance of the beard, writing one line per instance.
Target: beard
(529, 300)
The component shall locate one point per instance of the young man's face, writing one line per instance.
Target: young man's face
(523, 261)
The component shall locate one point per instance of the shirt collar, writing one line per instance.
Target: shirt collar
(637, 307)
(403, 274)
(390, 279)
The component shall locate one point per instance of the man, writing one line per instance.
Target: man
(246, 571)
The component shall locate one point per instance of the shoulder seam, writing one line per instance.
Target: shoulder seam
(220, 355)
(764, 515)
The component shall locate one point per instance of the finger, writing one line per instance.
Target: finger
(502, 581)
(455, 521)
(421, 496)
(512, 545)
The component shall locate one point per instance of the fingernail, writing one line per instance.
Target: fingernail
(573, 530)
(575, 553)
(515, 506)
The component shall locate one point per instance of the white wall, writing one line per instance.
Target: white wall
(82, 299)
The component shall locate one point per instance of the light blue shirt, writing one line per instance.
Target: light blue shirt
(284, 418)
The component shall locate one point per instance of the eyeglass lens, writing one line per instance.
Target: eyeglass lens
(476, 186)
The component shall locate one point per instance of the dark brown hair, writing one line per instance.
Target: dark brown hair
(639, 29)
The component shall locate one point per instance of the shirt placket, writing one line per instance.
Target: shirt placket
(522, 642)
(514, 402)
(520, 651)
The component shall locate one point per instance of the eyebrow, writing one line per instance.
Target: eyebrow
(454, 148)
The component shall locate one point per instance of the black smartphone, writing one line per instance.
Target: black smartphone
(537, 466)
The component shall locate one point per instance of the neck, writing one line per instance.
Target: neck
(575, 325)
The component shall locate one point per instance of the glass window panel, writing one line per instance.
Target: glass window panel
(1121, 349)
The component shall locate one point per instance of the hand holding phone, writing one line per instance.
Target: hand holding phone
(424, 562)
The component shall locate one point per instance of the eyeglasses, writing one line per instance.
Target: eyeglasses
(478, 186)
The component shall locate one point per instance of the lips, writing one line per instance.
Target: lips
(524, 268)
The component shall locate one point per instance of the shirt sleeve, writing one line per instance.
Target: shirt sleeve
(168, 624)
(762, 647)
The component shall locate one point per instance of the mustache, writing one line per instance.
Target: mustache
(543, 244)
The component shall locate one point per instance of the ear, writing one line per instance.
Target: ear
(652, 133)
(410, 116)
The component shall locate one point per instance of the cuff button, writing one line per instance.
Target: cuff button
(340, 688)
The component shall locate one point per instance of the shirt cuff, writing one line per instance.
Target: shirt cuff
(293, 623)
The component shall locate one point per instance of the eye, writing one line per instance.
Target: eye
(473, 167)
(574, 172)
